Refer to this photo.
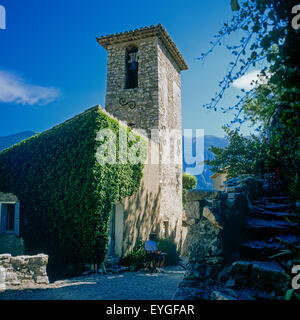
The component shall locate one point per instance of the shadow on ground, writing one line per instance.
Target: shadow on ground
(124, 286)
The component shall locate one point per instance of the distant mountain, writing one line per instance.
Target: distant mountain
(203, 180)
(12, 139)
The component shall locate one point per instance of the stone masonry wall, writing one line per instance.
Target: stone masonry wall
(215, 225)
(215, 221)
(23, 271)
(232, 237)
(145, 97)
(154, 104)
(170, 125)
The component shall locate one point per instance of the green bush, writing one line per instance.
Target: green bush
(66, 196)
(136, 257)
(168, 246)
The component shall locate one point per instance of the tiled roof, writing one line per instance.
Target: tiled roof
(146, 32)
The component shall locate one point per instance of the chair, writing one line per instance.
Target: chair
(151, 260)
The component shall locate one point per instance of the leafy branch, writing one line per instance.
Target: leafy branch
(265, 25)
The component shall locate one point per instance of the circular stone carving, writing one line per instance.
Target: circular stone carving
(131, 104)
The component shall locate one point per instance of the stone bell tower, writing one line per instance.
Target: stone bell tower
(144, 90)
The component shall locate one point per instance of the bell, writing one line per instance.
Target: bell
(132, 57)
(132, 66)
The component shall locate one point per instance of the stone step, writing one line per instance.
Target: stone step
(252, 294)
(232, 182)
(272, 190)
(260, 229)
(263, 250)
(258, 213)
(258, 250)
(272, 200)
(260, 275)
(278, 207)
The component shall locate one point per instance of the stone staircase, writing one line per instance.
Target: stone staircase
(266, 225)
(230, 246)
(254, 273)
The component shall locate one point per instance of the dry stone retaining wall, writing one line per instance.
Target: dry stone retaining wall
(214, 222)
(23, 271)
(229, 241)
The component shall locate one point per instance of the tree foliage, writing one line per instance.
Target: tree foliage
(269, 43)
(188, 182)
(243, 155)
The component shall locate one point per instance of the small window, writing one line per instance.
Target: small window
(132, 68)
(10, 217)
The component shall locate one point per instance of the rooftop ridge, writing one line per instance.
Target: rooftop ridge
(137, 131)
(91, 109)
(145, 32)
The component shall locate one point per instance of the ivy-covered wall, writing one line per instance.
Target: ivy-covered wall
(66, 196)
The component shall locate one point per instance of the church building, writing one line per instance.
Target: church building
(143, 93)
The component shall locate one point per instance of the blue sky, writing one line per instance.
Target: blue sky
(52, 68)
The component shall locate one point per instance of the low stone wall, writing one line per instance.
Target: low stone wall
(214, 221)
(23, 271)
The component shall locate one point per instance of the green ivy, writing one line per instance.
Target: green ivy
(66, 196)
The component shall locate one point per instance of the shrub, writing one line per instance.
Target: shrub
(136, 257)
(168, 246)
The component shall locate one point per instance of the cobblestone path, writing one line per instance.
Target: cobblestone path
(124, 286)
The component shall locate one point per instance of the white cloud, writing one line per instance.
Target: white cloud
(245, 81)
(13, 89)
